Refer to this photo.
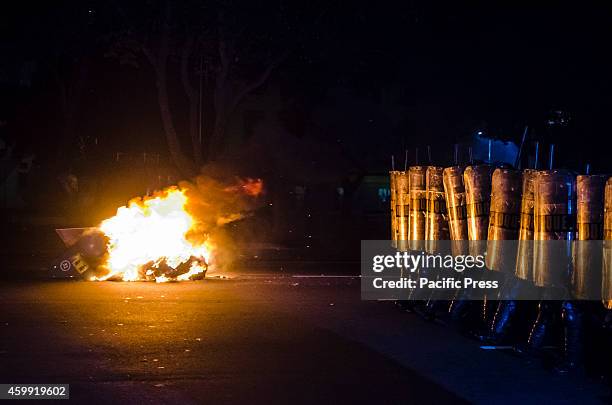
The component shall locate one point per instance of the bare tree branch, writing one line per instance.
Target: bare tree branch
(260, 80)
(185, 79)
(149, 55)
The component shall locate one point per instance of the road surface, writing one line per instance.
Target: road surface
(259, 338)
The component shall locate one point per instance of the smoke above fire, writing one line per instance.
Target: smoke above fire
(176, 233)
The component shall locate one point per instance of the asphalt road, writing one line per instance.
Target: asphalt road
(256, 339)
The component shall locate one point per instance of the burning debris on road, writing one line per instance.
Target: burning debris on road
(164, 237)
(147, 239)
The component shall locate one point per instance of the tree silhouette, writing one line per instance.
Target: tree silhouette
(218, 53)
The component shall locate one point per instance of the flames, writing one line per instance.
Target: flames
(248, 186)
(148, 239)
(168, 236)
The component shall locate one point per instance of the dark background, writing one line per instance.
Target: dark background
(357, 83)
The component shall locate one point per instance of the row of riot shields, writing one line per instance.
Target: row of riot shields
(481, 208)
(547, 232)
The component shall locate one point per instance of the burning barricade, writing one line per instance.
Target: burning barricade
(164, 237)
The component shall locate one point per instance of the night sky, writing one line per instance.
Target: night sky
(396, 75)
